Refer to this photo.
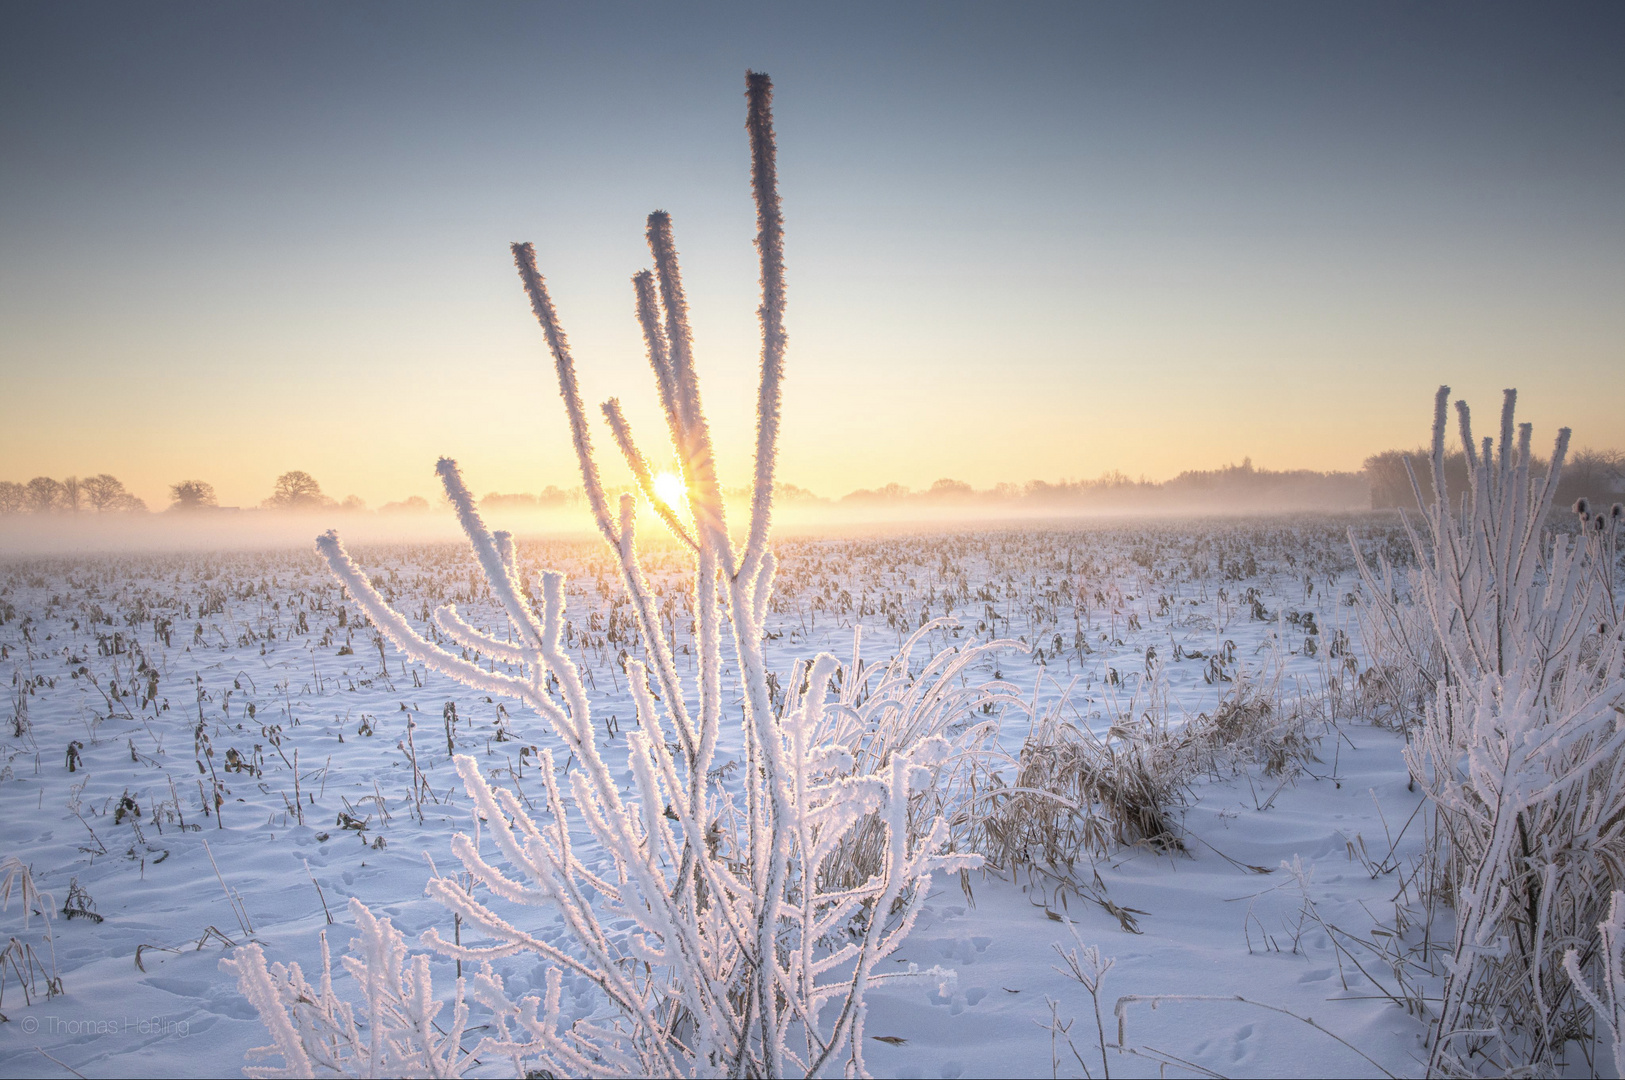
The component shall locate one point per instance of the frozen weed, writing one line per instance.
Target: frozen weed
(744, 957)
(1520, 748)
(79, 904)
(19, 958)
(1607, 1002)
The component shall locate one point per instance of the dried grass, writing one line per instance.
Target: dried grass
(1077, 796)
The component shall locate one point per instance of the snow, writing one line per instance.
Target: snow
(256, 652)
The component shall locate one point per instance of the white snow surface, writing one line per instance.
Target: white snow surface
(255, 653)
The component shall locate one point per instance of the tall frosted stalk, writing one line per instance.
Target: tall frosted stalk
(752, 942)
(770, 250)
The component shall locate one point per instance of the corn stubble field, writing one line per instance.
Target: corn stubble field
(210, 750)
(1311, 796)
(175, 716)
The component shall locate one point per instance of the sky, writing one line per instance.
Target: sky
(1023, 241)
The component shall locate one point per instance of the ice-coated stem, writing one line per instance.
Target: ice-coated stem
(730, 941)
(770, 251)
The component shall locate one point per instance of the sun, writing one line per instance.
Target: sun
(670, 490)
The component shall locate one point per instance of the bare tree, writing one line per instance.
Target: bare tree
(950, 489)
(297, 491)
(101, 491)
(43, 495)
(13, 497)
(192, 495)
(107, 493)
(72, 497)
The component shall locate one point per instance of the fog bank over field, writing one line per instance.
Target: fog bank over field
(1230, 491)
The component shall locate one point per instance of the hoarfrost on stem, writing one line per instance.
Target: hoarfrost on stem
(1521, 745)
(753, 932)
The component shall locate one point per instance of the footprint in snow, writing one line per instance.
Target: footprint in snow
(1242, 1035)
(178, 987)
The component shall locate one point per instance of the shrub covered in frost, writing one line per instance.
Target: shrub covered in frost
(1521, 746)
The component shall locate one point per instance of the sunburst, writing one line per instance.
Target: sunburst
(669, 489)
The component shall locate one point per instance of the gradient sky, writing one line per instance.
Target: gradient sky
(1023, 241)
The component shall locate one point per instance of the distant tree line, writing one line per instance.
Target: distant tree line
(1233, 487)
(104, 493)
(551, 498)
(1383, 483)
(1594, 474)
(99, 494)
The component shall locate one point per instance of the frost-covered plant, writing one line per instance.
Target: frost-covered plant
(1608, 1003)
(715, 928)
(313, 1029)
(24, 963)
(883, 712)
(1521, 748)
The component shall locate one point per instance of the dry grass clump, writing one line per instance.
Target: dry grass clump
(19, 958)
(1260, 724)
(1078, 795)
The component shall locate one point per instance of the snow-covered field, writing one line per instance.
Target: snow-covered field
(145, 689)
